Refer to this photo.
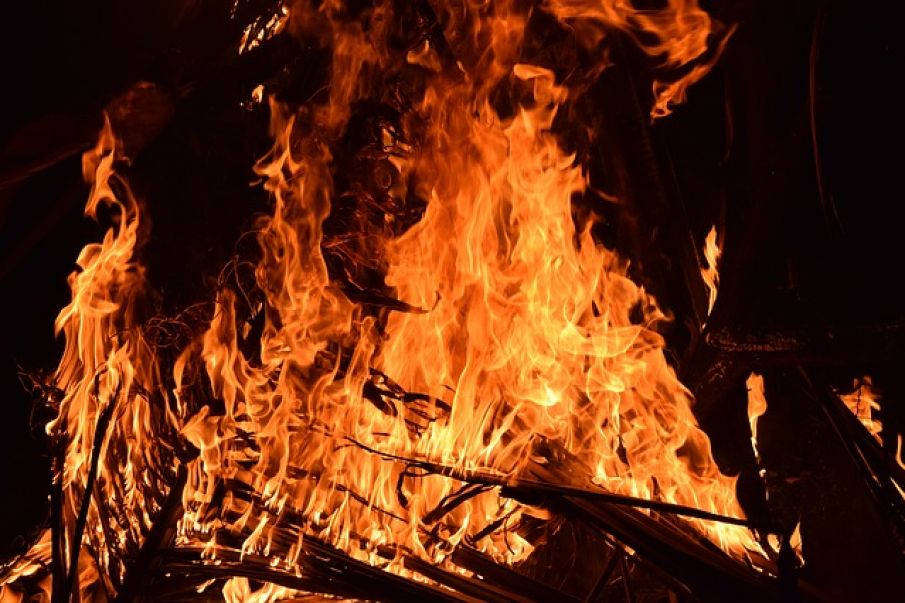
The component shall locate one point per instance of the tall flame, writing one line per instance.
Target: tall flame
(110, 394)
(757, 406)
(711, 273)
(109, 374)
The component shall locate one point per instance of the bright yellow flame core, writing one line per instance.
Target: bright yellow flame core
(711, 273)
(757, 406)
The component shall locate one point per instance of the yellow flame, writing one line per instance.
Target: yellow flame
(863, 401)
(757, 406)
(255, 33)
(711, 274)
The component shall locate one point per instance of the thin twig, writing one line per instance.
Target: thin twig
(58, 565)
(520, 486)
(626, 580)
(139, 571)
(100, 432)
(604, 579)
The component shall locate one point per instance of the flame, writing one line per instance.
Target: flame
(711, 274)
(863, 401)
(527, 342)
(757, 406)
(900, 460)
(259, 31)
(35, 563)
(528, 337)
(38, 557)
(108, 378)
(677, 33)
(108, 368)
(257, 94)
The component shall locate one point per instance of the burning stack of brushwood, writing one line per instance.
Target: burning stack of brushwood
(376, 315)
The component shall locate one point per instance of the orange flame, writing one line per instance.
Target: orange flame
(107, 368)
(677, 33)
(757, 406)
(863, 401)
(711, 274)
(108, 377)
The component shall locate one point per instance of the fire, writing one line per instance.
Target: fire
(108, 383)
(757, 406)
(863, 402)
(676, 33)
(259, 31)
(524, 341)
(526, 336)
(108, 376)
(711, 274)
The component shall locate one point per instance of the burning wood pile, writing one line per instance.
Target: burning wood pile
(431, 365)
